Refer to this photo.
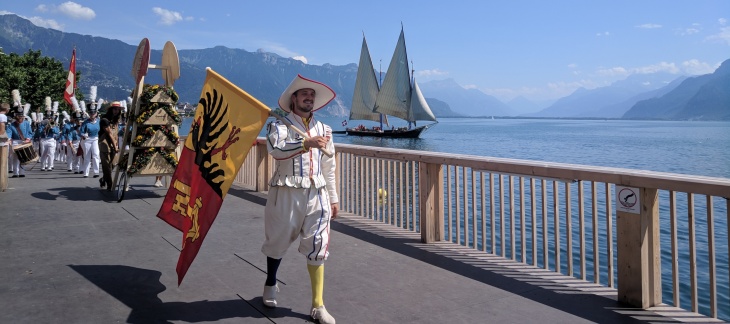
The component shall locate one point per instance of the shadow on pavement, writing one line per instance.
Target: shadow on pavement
(138, 289)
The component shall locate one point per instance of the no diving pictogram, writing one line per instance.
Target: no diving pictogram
(627, 199)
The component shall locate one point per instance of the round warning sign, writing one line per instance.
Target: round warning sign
(627, 199)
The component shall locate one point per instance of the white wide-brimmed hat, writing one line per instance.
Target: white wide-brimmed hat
(323, 93)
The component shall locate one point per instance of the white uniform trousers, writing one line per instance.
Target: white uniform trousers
(17, 170)
(91, 155)
(294, 212)
(49, 151)
(61, 151)
(72, 160)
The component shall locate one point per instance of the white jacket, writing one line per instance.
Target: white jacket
(296, 167)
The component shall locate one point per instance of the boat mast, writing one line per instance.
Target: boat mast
(413, 80)
(380, 83)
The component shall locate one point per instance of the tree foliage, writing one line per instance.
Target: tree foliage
(36, 77)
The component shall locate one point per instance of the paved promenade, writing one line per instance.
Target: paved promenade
(71, 254)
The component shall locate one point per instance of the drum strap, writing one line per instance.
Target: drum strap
(22, 138)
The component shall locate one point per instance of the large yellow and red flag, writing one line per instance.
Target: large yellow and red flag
(227, 120)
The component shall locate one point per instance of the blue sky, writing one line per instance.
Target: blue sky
(536, 49)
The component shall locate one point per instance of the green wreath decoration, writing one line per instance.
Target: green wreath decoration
(147, 110)
(145, 133)
(149, 92)
(142, 157)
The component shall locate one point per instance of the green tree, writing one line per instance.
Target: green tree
(36, 77)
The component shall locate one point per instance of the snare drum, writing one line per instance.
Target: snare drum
(25, 153)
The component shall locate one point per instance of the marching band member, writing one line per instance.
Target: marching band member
(21, 133)
(72, 135)
(90, 135)
(108, 145)
(4, 139)
(47, 132)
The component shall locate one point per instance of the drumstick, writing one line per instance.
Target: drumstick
(299, 131)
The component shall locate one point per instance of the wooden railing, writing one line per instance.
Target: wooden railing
(556, 216)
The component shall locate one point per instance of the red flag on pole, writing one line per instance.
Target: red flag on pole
(227, 121)
(71, 80)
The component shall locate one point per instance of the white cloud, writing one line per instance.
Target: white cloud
(47, 23)
(279, 49)
(695, 67)
(690, 67)
(189, 18)
(76, 11)
(723, 36)
(655, 68)
(649, 26)
(431, 73)
(38, 21)
(722, 21)
(42, 8)
(470, 86)
(613, 72)
(689, 31)
(300, 58)
(167, 17)
(603, 34)
(572, 66)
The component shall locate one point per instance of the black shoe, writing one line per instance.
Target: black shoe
(22, 175)
(96, 176)
(86, 176)
(14, 176)
(101, 182)
(69, 170)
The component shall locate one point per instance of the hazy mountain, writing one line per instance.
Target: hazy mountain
(588, 103)
(468, 102)
(440, 108)
(107, 64)
(522, 105)
(705, 97)
(619, 109)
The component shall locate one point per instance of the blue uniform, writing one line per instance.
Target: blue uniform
(70, 133)
(91, 128)
(42, 133)
(24, 128)
(18, 132)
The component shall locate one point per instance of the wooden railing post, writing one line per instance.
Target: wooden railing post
(431, 206)
(639, 258)
(262, 167)
(4, 166)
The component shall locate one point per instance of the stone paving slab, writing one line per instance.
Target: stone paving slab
(72, 254)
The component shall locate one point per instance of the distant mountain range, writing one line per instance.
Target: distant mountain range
(107, 64)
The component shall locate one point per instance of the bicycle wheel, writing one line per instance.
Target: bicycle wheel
(121, 186)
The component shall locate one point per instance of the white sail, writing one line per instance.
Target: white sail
(419, 107)
(394, 98)
(366, 88)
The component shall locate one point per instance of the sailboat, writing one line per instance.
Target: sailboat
(398, 97)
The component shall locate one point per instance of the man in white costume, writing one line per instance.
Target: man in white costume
(303, 196)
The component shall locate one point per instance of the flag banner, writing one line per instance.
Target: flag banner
(227, 120)
(70, 80)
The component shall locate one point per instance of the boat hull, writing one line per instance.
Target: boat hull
(409, 133)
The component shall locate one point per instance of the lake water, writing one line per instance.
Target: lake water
(687, 147)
